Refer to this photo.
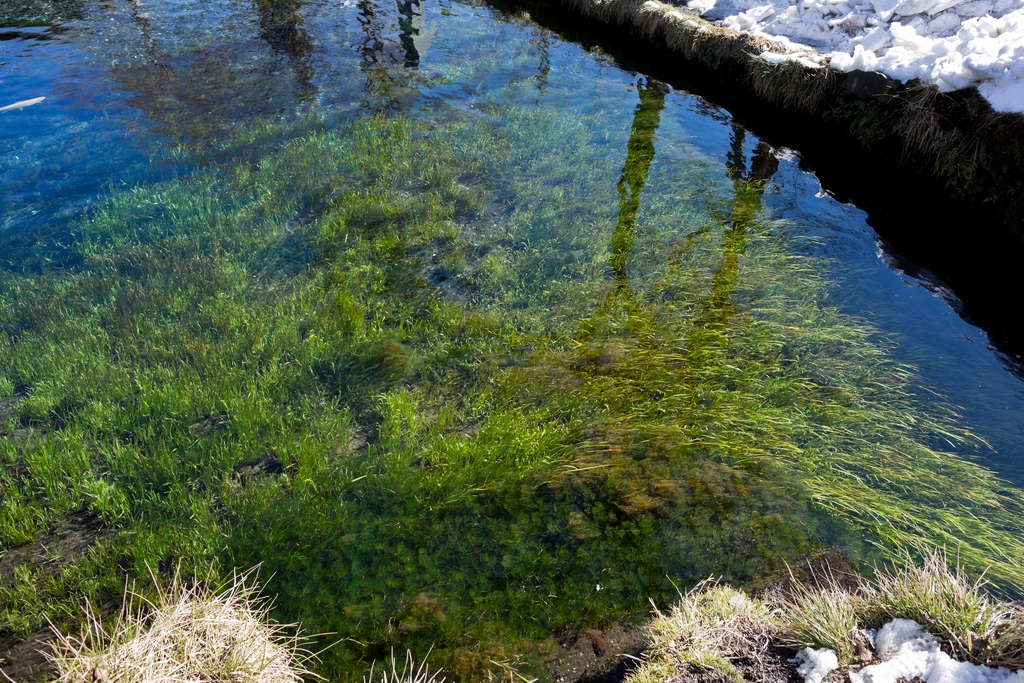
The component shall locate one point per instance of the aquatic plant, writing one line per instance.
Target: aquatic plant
(39, 12)
(445, 378)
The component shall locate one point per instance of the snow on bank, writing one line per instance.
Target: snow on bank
(906, 651)
(814, 665)
(951, 43)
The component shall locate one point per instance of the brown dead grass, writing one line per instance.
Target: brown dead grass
(189, 634)
(409, 673)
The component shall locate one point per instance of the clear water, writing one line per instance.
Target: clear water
(142, 92)
(129, 83)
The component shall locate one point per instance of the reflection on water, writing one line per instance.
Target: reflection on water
(762, 167)
(639, 155)
(709, 337)
(745, 207)
(280, 25)
(541, 40)
(372, 46)
(378, 56)
(748, 187)
(414, 35)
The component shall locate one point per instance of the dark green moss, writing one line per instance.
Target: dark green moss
(23, 13)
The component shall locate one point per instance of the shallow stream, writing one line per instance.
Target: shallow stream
(471, 337)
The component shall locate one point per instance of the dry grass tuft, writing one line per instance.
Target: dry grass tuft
(409, 673)
(191, 633)
(1006, 646)
(944, 600)
(823, 615)
(955, 155)
(708, 625)
(717, 629)
(791, 85)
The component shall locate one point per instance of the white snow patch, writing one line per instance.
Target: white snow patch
(906, 651)
(814, 665)
(701, 6)
(951, 43)
(803, 58)
(869, 635)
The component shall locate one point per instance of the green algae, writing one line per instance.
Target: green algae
(23, 13)
(459, 384)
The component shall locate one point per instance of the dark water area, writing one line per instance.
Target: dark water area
(473, 328)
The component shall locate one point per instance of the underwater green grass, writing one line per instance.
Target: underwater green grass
(18, 13)
(461, 384)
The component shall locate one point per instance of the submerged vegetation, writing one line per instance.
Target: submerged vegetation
(18, 13)
(461, 383)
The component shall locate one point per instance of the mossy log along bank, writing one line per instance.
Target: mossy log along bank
(955, 141)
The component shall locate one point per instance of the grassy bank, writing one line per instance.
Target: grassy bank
(715, 632)
(455, 384)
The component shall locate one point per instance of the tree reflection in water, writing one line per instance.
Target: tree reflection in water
(639, 155)
(414, 36)
(280, 25)
(542, 42)
(380, 55)
(748, 186)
